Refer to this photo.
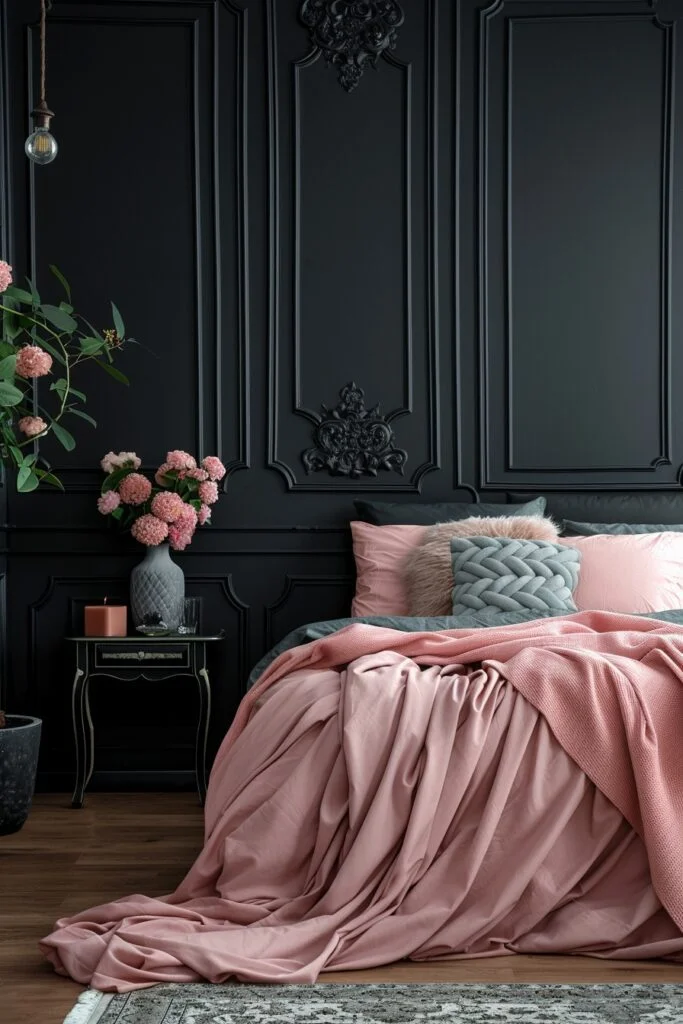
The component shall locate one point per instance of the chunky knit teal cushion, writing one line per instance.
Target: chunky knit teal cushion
(513, 575)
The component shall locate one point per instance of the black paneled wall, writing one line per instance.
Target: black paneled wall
(483, 233)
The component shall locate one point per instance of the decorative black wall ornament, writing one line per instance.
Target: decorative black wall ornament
(351, 440)
(352, 34)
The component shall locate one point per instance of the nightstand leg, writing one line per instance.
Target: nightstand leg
(78, 722)
(202, 731)
(88, 733)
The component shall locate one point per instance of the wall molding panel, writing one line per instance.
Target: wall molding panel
(500, 464)
(287, 359)
(406, 406)
(242, 457)
(297, 582)
(220, 257)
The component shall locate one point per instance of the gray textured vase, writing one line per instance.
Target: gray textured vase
(19, 745)
(157, 589)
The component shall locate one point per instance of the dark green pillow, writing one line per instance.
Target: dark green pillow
(395, 513)
(612, 507)
(574, 529)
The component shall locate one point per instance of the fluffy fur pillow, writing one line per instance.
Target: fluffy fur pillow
(427, 569)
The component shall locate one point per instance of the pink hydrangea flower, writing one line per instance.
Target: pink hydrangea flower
(178, 537)
(108, 502)
(5, 276)
(160, 475)
(168, 505)
(204, 515)
(149, 530)
(180, 460)
(32, 425)
(135, 489)
(181, 532)
(112, 461)
(187, 520)
(208, 492)
(197, 474)
(33, 361)
(214, 467)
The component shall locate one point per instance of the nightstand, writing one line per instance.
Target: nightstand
(130, 658)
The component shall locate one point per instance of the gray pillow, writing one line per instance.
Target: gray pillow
(574, 529)
(395, 513)
(513, 575)
(612, 507)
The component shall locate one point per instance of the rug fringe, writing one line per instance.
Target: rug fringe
(89, 1008)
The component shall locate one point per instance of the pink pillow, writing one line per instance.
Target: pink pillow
(379, 552)
(629, 573)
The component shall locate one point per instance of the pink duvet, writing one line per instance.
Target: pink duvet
(384, 795)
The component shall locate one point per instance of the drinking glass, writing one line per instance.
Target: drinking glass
(190, 620)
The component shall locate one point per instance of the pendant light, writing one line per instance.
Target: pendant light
(41, 147)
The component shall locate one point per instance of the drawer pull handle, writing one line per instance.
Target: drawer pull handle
(142, 655)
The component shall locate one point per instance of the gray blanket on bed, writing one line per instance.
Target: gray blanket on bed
(413, 624)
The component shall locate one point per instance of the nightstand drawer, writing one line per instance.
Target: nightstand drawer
(166, 655)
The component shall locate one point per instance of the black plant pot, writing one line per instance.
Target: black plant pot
(19, 745)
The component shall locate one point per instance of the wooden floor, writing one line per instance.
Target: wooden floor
(65, 860)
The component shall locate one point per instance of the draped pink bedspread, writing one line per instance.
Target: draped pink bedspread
(384, 795)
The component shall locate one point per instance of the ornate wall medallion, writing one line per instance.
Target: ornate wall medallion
(352, 34)
(351, 440)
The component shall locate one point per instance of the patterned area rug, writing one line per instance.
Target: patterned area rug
(385, 1004)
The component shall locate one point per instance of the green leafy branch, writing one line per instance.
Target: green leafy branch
(70, 340)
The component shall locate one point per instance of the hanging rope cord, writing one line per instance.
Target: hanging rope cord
(43, 59)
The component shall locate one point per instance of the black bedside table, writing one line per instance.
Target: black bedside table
(132, 658)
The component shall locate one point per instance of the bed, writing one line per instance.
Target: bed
(404, 786)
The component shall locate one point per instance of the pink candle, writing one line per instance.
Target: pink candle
(106, 620)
